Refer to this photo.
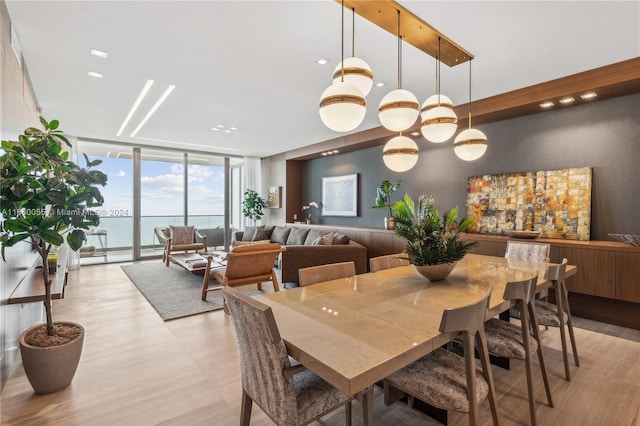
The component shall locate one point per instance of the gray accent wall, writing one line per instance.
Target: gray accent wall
(604, 135)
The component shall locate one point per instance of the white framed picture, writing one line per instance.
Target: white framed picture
(340, 195)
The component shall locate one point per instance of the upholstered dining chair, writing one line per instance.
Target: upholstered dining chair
(250, 264)
(559, 315)
(535, 252)
(389, 261)
(183, 238)
(289, 395)
(447, 380)
(507, 340)
(328, 272)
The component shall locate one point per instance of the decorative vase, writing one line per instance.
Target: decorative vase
(390, 223)
(51, 368)
(435, 272)
(308, 221)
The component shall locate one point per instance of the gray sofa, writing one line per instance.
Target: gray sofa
(306, 248)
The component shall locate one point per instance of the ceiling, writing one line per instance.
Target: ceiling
(252, 65)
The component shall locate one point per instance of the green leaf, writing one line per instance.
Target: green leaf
(44, 122)
(50, 236)
(76, 239)
(53, 124)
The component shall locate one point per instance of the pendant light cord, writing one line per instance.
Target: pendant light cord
(353, 32)
(438, 72)
(342, 46)
(469, 93)
(399, 54)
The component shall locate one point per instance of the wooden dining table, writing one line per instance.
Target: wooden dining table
(355, 331)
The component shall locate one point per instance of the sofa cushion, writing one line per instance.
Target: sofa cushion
(280, 235)
(262, 234)
(250, 232)
(297, 236)
(340, 239)
(312, 236)
(327, 239)
(246, 243)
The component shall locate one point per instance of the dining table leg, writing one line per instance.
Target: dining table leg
(367, 406)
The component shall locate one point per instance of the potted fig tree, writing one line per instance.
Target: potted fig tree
(47, 199)
(253, 206)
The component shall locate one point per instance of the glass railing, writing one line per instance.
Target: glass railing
(120, 228)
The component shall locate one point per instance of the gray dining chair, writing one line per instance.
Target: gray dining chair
(388, 261)
(288, 394)
(559, 314)
(446, 380)
(328, 272)
(508, 340)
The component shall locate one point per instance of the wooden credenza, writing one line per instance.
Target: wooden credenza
(606, 286)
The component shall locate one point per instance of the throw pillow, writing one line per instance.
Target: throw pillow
(247, 243)
(340, 239)
(297, 236)
(262, 234)
(181, 235)
(327, 240)
(250, 232)
(280, 234)
(312, 236)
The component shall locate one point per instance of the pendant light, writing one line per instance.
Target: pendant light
(439, 121)
(342, 105)
(400, 154)
(399, 109)
(470, 144)
(356, 70)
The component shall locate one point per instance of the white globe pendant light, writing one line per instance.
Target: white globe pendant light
(356, 72)
(399, 109)
(400, 154)
(439, 121)
(470, 144)
(342, 107)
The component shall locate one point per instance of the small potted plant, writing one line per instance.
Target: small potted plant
(383, 201)
(46, 197)
(253, 205)
(308, 209)
(434, 243)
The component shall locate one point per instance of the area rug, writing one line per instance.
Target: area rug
(175, 293)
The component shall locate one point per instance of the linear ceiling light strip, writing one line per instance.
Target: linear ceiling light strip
(154, 108)
(135, 106)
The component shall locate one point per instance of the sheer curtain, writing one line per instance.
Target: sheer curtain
(74, 256)
(252, 177)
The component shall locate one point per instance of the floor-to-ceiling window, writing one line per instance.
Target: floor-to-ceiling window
(174, 188)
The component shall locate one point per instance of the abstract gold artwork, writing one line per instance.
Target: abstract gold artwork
(556, 203)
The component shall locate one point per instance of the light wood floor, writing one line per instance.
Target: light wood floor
(137, 369)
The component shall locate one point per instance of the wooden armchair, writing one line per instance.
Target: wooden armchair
(183, 238)
(250, 264)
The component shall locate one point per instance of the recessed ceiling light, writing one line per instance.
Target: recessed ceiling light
(99, 53)
(227, 131)
(220, 126)
(546, 104)
(590, 95)
(379, 84)
(335, 151)
(322, 61)
(215, 129)
(95, 74)
(135, 106)
(324, 154)
(415, 134)
(565, 101)
(233, 128)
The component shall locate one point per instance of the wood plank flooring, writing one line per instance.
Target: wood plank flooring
(137, 369)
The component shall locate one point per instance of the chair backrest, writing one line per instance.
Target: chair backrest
(389, 261)
(182, 235)
(161, 233)
(263, 357)
(467, 319)
(521, 290)
(331, 271)
(252, 260)
(556, 273)
(535, 252)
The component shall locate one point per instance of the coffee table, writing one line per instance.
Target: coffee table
(196, 263)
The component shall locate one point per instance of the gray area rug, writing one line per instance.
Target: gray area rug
(174, 292)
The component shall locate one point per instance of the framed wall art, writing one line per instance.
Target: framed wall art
(555, 203)
(340, 195)
(274, 197)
